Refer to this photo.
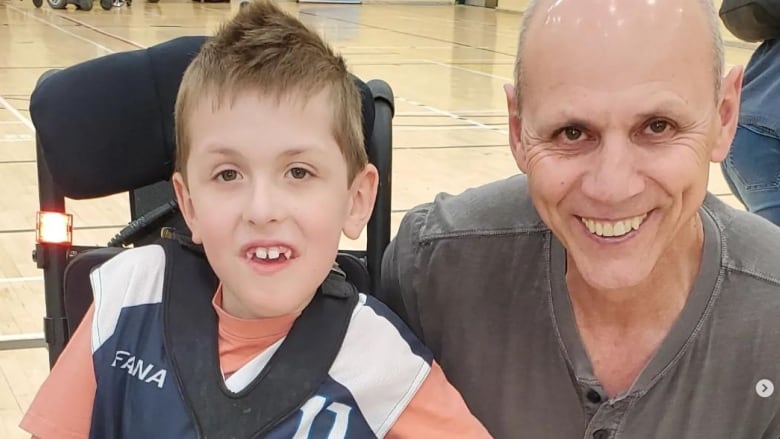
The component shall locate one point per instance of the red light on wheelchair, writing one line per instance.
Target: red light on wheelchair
(54, 228)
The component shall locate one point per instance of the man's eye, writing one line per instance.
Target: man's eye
(572, 134)
(658, 126)
(228, 175)
(298, 173)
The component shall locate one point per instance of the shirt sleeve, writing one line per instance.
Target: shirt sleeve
(400, 268)
(437, 410)
(62, 408)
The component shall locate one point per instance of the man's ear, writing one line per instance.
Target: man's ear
(728, 113)
(515, 127)
(361, 203)
(185, 206)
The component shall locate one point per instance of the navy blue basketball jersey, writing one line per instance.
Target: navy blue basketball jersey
(377, 371)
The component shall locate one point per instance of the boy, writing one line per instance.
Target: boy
(270, 171)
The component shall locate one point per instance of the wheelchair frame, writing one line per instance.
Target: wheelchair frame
(53, 258)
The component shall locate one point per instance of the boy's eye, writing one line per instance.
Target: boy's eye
(228, 175)
(298, 173)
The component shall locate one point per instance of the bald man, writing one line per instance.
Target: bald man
(604, 294)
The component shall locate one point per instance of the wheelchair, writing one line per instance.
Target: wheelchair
(104, 127)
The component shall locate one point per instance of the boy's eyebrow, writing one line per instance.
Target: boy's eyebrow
(300, 150)
(292, 151)
(221, 150)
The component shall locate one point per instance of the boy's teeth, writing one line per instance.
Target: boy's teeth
(271, 253)
(614, 228)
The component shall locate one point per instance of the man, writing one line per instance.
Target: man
(606, 294)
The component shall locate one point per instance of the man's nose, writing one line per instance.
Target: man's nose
(613, 175)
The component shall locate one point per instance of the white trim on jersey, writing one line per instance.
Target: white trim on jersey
(379, 368)
(375, 364)
(133, 277)
(248, 372)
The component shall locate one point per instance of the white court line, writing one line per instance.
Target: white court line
(50, 24)
(18, 280)
(480, 113)
(23, 119)
(459, 127)
(101, 31)
(11, 122)
(451, 115)
(476, 72)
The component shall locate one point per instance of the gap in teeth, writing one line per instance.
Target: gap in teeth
(614, 228)
(271, 253)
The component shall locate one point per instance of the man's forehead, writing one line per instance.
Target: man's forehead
(618, 44)
(611, 21)
(604, 13)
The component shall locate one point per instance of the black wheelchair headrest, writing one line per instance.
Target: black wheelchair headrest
(106, 125)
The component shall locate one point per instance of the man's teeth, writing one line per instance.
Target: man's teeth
(614, 228)
(270, 253)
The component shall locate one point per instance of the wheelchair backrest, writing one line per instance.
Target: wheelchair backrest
(106, 126)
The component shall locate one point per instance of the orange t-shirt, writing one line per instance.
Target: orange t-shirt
(62, 409)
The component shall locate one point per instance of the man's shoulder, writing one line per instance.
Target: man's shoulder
(750, 245)
(500, 207)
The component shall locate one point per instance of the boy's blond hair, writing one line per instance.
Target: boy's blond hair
(265, 50)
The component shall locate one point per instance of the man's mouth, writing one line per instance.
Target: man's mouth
(614, 229)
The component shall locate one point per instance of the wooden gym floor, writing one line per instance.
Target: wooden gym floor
(445, 63)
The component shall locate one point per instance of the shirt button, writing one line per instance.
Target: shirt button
(593, 396)
(600, 434)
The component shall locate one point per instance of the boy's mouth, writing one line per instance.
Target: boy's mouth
(270, 253)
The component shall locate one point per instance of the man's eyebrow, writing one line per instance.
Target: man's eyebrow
(671, 107)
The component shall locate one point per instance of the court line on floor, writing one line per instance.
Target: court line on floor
(451, 115)
(52, 25)
(21, 279)
(476, 72)
(466, 113)
(11, 109)
(100, 31)
(458, 127)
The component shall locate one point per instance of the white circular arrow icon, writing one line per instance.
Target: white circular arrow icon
(765, 388)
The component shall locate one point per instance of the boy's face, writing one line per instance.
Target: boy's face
(267, 196)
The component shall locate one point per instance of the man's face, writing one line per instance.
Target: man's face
(618, 124)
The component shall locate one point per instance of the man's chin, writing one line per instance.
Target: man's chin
(615, 277)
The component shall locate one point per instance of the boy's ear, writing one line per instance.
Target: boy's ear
(361, 203)
(185, 206)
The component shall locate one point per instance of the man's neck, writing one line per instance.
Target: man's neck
(622, 329)
(658, 300)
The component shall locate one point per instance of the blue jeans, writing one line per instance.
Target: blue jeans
(752, 170)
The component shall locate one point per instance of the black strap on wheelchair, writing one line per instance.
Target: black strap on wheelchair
(290, 378)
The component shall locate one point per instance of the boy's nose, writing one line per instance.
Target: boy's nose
(263, 205)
